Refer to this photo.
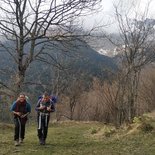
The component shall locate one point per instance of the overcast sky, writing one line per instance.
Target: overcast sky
(106, 14)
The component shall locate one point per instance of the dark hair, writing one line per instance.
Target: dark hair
(46, 94)
(22, 94)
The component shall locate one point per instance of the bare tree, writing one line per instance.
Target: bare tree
(146, 99)
(137, 35)
(28, 26)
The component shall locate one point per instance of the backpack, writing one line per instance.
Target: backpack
(54, 99)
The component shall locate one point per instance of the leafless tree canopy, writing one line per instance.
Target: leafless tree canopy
(27, 25)
(137, 34)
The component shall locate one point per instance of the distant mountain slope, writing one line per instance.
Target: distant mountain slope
(80, 58)
(92, 62)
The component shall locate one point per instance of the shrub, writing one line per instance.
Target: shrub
(146, 127)
(144, 122)
(94, 131)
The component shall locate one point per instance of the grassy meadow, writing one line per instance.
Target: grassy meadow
(80, 138)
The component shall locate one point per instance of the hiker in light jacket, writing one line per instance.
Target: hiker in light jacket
(20, 108)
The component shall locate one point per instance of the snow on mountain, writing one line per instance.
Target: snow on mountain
(103, 52)
(109, 53)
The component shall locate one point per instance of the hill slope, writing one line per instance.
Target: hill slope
(79, 138)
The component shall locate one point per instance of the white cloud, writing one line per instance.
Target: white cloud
(106, 15)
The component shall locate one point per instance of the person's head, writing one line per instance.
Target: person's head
(21, 97)
(45, 97)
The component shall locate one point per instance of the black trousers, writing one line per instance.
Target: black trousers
(43, 121)
(19, 128)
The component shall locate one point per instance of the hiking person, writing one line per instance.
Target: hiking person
(44, 107)
(21, 109)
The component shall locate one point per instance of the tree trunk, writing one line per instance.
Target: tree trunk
(19, 83)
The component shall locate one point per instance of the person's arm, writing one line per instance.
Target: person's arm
(25, 115)
(28, 109)
(12, 109)
(38, 107)
(51, 107)
(17, 113)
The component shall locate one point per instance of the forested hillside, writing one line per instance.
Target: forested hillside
(79, 59)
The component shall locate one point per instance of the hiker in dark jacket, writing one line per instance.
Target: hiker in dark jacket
(44, 107)
(20, 108)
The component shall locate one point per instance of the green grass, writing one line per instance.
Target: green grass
(79, 138)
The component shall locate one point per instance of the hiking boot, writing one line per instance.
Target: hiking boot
(43, 142)
(17, 143)
(40, 142)
(20, 140)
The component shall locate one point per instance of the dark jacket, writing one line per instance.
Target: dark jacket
(45, 104)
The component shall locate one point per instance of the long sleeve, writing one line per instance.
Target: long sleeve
(13, 106)
(28, 107)
(38, 105)
(52, 106)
